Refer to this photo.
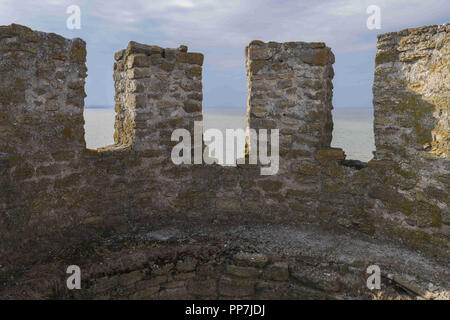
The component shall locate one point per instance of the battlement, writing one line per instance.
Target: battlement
(52, 186)
(155, 86)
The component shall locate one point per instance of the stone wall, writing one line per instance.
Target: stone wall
(56, 194)
(157, 91)
(411, 101)
(261, 263)
(411, 93)
(210, 273)
(42, 134)
(290, 89)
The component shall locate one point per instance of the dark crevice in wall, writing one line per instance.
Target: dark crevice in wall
(356, 164)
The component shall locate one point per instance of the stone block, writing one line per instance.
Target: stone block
(203, 288)
(257, 260)
(230, 287)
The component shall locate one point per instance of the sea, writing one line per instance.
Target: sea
(353, 127)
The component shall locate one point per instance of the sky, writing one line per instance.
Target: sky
(220, 29)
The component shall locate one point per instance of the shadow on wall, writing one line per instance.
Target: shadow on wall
(406, 127)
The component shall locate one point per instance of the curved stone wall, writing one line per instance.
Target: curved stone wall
(55, 193)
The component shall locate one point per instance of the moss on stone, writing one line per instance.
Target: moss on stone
(386, 56)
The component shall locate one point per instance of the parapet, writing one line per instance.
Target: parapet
(156, 89)
(290, 88)
(55, 188)
(412, 92)
(42, 83)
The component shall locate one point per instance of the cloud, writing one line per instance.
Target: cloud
(233, 23)
(221, 28)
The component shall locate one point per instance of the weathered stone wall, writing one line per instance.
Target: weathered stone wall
(195, 272)
(42, 134)
(263, 263)
(411, 93)
(156, 90)
(412, 101)
(57, 194)
(290, 89)
(403, 192)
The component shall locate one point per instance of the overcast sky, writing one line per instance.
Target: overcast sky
(221, 29)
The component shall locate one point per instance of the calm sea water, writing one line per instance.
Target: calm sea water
(353, 127)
